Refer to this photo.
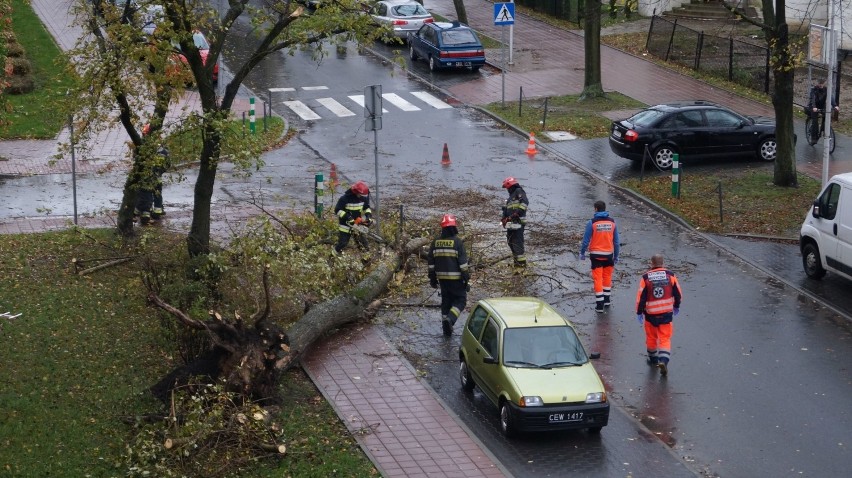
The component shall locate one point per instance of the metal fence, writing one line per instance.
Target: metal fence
(734, 60)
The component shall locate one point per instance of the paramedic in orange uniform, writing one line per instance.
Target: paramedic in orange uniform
(657, 302)
(601, 240)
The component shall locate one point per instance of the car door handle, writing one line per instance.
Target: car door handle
(477, 350)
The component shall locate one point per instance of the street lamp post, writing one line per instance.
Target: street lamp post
(829, 99)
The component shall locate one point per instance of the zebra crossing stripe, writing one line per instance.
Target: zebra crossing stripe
(335, 107)
(302, 110)
(314, 88)
(431, 100)
(399, 102)
(281, 90)
(360, 100)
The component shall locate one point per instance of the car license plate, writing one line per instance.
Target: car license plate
(616, 133)
(565, 417)
(462, 63)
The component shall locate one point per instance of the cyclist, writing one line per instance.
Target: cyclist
(816, 107)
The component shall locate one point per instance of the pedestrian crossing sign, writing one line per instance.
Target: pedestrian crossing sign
(504, 13)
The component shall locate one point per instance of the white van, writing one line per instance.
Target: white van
(826, 235)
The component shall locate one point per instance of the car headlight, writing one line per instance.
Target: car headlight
(596, 397)
(530, 402)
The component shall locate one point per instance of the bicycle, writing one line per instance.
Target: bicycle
(815, 128)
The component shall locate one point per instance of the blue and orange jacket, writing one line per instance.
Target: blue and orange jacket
(601, 236)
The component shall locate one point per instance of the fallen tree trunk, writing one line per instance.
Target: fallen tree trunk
(251, 354)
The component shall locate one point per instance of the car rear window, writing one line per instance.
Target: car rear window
(200, 41)
(458, 37)
(646, 117)
(409, 10)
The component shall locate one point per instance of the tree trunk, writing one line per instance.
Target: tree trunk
(592, 85)
(461, 13)
(783, 65)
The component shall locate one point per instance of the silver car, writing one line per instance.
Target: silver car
(402, 15)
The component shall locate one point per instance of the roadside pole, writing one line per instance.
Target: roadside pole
(504, 14)
(829, 98)
(373, 113)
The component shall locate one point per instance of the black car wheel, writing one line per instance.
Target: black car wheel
(663, 157)
(411, 53)
(507, 424)
(768, 149)
(811, 262)
(595, 430)
(433, 64)
(464, 376)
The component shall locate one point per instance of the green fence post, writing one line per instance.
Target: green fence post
(676, 176)
(318, 194)
(251, 114)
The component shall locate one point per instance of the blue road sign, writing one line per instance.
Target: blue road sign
(504, 13)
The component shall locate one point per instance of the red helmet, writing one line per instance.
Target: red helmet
(360, 188)
(448, 220)
(509, 182)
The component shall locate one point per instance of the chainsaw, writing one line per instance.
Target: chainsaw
(361, 229)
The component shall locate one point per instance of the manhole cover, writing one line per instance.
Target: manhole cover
(560, 135)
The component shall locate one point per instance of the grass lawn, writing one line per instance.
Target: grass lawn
(39, 114)
(81, 358)
(564, 113)
(751, 204)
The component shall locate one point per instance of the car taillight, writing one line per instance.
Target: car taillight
(400, 22)
(631, 135)
(429, 20)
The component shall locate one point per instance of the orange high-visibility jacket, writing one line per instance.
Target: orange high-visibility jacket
(659, 293)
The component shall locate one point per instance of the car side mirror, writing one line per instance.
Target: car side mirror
(815, 210)
(489, 360)
(595, 355)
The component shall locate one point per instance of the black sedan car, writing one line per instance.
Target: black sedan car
(692, 129)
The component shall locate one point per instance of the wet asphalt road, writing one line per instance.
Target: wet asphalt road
(760, 378)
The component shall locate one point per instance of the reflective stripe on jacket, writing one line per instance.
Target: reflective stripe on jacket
(448, 259)
(349, 207)
(516, 207)
(659, 293)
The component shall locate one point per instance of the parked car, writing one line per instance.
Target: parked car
(403, 16)
(528, 360)
(447, 45)
(203, 49)
(825, 238)
(692, 129)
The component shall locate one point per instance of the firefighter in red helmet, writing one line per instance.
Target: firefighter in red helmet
(515, 219)
(353, 208)
(448, 267)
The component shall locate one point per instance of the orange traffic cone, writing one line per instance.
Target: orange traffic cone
(445, 159)
(332, 176)
(531, 145)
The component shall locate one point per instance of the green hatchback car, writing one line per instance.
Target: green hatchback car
(528, 360)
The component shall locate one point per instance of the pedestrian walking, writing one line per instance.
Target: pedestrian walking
(515, 220)
(448, 267)
(353, 208)
(601, 240)
(657, 303)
